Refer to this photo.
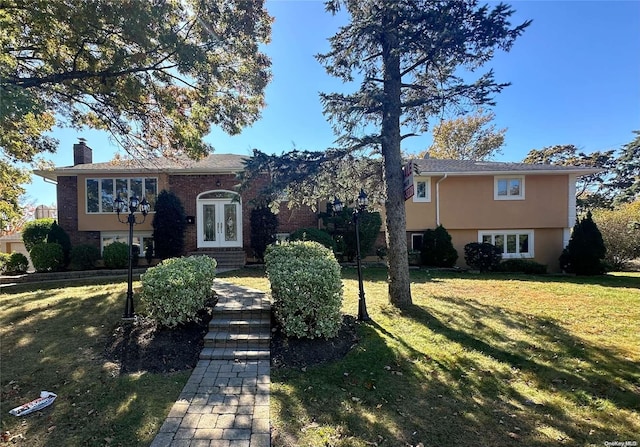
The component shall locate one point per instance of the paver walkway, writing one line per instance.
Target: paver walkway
(225, 402)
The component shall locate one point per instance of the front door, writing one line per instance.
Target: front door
(219, 220)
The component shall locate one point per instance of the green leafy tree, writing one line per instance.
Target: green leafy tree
(592, 191)
(156, 75)
(437, 248)
(470, 137)
(408, 56)
(169, 225)
(36, 231)
(264, 225)
(342, 228)
(620, 233)
(626, 178)
(59, 236)
(586, 249)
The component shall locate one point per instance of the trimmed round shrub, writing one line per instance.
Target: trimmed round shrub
(4, 259)
(84, 257)
(526, 266)
(57, 235)
(116, 255)
(18, 263)
(306, 288)
(36, 231)
(314, 235)
(437, 248)
(482, 256)
(47, 257)
(176, 289)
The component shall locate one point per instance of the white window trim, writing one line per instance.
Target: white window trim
(99, 180)
(427, 181)
(508, 197)
(505, 233)
(123, 236)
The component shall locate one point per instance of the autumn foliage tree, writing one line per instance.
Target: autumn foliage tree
(469, 137)
(155, 74)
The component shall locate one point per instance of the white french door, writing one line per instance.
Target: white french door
(219, 222)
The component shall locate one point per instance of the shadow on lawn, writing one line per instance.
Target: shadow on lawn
(550, 361)
(391, 393)
(59, 346)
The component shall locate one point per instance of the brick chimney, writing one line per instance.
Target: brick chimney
(82, 154)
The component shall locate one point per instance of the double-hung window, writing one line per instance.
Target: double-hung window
(512, 243)
(101, 193)
(509, 188)
(422, 189)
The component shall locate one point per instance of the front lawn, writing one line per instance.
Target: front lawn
(478, 360)
(53, 339)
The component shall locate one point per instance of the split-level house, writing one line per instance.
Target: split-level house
(218, 218)
(527, 210)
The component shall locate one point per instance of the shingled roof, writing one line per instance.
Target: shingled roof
(434, 166)
(212, 164)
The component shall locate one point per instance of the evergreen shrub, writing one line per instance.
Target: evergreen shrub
(585, 252)
(47, 257)
(36, 231)
(84, 257)
(437, 249)
(18, 263)
(169, 225)
(176, 289)
(264, 225)
(116, 255)
(482, 256)
(526, 266)
(314, 235)
(57, 235)
(306, 287)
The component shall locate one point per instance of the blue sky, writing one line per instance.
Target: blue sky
(575, 76)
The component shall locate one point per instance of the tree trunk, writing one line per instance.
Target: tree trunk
(395, 223)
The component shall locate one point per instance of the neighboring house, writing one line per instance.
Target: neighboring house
(527, 210)
(12, 243)
(218, 217)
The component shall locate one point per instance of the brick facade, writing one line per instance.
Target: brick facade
(67, 194)
(188, 187)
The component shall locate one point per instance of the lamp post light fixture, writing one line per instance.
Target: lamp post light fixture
(361, 207)
(132, 206)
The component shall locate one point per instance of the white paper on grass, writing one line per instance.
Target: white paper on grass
(46, 398)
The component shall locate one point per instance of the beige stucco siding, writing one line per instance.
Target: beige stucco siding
(109, 221)
(468, 203)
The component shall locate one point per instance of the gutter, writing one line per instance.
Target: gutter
(438, 198)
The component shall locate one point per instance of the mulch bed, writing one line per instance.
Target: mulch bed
(141, 345)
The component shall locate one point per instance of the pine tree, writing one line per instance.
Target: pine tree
(59, 236)
(586, 249)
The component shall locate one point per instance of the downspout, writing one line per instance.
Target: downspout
(438, 198)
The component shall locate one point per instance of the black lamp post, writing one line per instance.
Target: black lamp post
(133, 205)
(361, 207)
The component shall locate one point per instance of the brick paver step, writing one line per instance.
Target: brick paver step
(227, 339)
(239, 325)
(235, 354)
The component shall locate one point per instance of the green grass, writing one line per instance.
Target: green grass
(52, 338)
(496, 360)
